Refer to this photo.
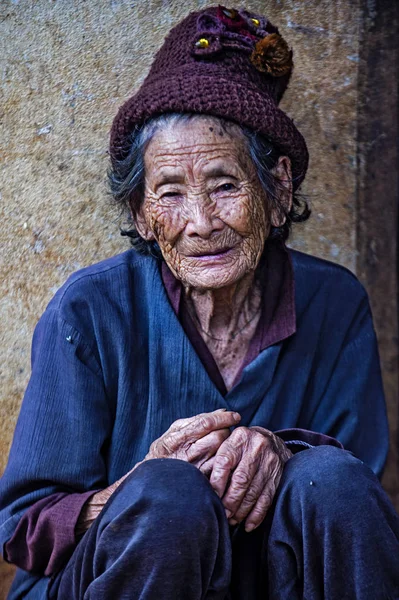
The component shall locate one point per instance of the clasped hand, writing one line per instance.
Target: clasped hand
(244, 466)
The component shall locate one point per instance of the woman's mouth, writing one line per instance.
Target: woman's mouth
(212, 255)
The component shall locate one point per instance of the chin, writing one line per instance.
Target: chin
(212, 278)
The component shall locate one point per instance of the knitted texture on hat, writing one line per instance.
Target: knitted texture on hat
(225, 63)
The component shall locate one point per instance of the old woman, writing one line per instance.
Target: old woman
(182, 433)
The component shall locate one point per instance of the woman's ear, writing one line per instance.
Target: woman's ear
(141, 224)
(282, 171)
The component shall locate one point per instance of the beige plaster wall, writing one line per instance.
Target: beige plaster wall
(65, 67)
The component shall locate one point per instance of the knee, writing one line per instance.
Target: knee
(329, 479)
(167, 491)
(172, 482)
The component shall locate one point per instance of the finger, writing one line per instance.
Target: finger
(265, 500)
(241, 483)
(240, 505)
(248, 447)
(207, 466)
(176, 441)
(203, 424)
(226, 459)
(268, 473)
(180, 423)
(259, 511)
(204, 448)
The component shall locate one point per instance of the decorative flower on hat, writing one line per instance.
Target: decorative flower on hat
(232, 29)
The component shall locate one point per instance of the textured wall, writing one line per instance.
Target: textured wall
(65, 68)
(378, 197)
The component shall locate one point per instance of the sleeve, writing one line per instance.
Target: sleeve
(347, 397)
(44, 538)
(56, 459)
(301, 439)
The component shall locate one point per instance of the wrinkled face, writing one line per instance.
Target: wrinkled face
(203, 203)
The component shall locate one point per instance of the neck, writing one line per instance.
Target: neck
(221, 313)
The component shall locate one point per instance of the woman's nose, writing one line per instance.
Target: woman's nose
(202, 220)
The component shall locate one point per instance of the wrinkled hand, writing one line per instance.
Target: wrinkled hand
(196, 439)
(245, 473)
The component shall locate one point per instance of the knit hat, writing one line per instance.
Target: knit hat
(222, 62)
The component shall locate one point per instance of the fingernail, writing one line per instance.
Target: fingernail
(249, 527)
(236, 416)
(228, 513)
(233, 522)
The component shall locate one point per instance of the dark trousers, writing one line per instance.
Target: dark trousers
(332, 534)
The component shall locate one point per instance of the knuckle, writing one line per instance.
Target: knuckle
(241, 478)
(223, 461)
(153, 447)
(157, 448)
(229, 503)
(165, 448)
(240, 435)
(204, 422)
(221, 465)
(267, 500)
(167, 445)
(235, 494)
(259, 444)
(272, 458)
(251, 497)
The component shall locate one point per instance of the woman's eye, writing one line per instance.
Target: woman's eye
(170, 195)
(226, 187)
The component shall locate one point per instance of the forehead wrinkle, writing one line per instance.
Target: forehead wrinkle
(189, 140)
(166, 151)
(177, 165)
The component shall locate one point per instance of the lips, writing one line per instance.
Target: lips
(217, 252)
(212, 256)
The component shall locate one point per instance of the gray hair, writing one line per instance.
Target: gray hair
(126, 178)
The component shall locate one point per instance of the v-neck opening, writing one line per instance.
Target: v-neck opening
(277, 321)
(171, 287)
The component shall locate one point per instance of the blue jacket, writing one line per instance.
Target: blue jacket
(112, 368)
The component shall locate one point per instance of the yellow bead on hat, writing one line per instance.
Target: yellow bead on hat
(202, 43)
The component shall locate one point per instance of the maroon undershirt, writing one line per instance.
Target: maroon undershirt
(277, 320)
(48, 527)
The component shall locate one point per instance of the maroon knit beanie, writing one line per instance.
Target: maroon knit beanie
(222, 62)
